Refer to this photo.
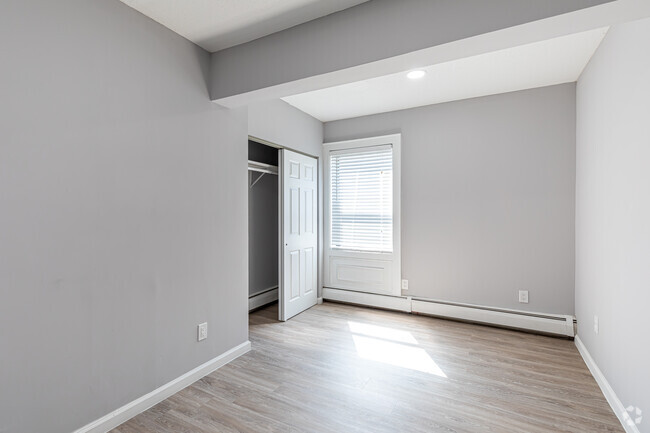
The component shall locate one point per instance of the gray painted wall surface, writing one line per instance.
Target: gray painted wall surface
(122, 212)
(487, 197)
(613, 211)
(369, 32)
(263, 234)
(280, 123)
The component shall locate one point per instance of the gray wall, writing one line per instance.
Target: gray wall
(122, 212)
(487, 197)
(280, 123)
(263, 242)
(613, 211)
(369, 32)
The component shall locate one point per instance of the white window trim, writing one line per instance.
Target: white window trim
(395, 141)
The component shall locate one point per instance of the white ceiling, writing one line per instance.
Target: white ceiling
(545, 63)
(218, 24)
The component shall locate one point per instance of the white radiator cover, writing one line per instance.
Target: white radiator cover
(554, 324)
(262, 298)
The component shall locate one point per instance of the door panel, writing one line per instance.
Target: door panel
(294, 257)
(309, 213)
(294, 169)
(309, 270)
(294, 198)
(299, 235)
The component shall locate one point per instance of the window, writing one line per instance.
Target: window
(362, 215)
(361, 183)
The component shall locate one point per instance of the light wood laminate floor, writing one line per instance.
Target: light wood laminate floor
(338, 368)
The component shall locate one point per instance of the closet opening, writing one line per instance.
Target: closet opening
(263, 225)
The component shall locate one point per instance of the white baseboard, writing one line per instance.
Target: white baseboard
(369, 299)
(548, 324)
(319, 301)
(613, 400)
(262, 298)
(544, 323)
(129, 410)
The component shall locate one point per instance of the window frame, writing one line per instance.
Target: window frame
(364, 257)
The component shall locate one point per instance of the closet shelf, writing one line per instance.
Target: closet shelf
(259, 167)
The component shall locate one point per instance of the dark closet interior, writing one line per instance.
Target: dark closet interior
(263, 238)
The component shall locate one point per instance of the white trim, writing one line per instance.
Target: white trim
(262, 298)
(281, 234)
(606, 388)
(556, 324)
(369, 299)
(548, 324)
(129, 410)
(319, 301)
(395, 140)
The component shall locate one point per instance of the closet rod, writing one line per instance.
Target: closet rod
(262, 168)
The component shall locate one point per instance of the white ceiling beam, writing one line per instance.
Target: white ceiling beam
(384, 37)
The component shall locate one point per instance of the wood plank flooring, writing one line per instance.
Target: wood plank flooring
(338, 368)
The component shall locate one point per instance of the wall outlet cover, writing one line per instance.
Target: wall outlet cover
(523, 296)
(405, 284)
(202, 331)
(596, 325)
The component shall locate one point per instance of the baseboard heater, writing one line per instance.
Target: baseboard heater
(263, 297)
(553, 324)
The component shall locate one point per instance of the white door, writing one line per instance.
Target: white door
(362, 215)
(299, 235)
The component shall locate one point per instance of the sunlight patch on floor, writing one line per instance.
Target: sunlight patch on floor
(382, 332)
(392, 347)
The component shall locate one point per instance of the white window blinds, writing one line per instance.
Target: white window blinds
(361, 183)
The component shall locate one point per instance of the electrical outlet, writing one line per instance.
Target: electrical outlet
(202, 331)
(405, 284)
(523, 296)
(596, 325)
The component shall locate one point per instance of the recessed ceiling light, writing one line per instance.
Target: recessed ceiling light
(416, 75)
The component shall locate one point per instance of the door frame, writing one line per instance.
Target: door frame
(319, 228)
